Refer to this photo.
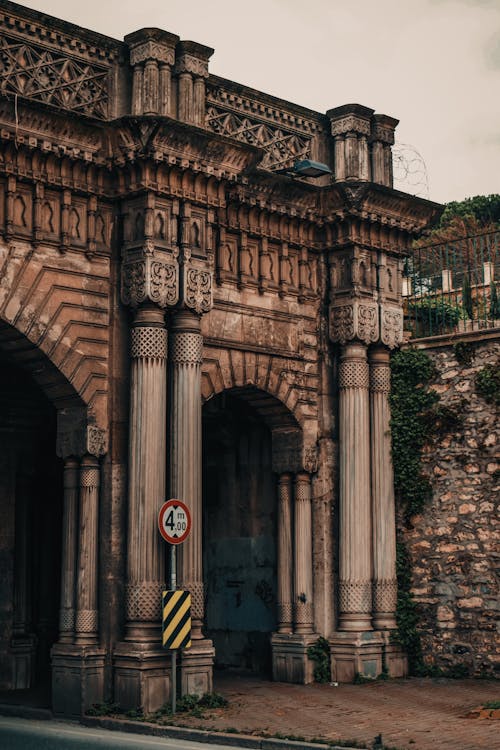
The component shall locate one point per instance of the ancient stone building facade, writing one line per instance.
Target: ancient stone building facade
(180, 316)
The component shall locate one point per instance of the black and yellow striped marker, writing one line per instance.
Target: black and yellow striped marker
(176, 620)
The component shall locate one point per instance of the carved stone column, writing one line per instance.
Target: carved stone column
(303, 585)
(354, 649)
(355, 521)
(24, 641)
(285, 554)
(69, 550)
(87, 614)
(192, 70)
(152, 55)
(185, 356)
(77, 658)
(147, 454)
(384, 524)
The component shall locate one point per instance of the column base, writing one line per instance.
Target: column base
(394, 658)
(290, 660)
(356, 653)
(142, 676)
(77, 678)
(197, 668)
(23, 652)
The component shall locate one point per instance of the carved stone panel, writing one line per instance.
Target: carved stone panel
(391, 325)
(152, 279)
(357, 319)
(198, 289)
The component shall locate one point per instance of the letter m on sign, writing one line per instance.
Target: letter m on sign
(176, 619)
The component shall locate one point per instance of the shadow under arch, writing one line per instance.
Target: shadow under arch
(43, 420)
(249, 439)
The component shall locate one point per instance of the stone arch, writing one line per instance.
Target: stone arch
(270, 389)
(57, 309)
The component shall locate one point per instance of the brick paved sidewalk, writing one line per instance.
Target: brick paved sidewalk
(414, 714)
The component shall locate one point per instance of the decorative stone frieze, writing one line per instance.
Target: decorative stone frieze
(150, 280)
(356, 319)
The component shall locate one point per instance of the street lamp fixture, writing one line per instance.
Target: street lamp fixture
(306, 168)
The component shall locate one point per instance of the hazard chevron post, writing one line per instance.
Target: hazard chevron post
(176, 619)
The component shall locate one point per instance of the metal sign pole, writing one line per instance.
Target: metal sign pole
(173, 586)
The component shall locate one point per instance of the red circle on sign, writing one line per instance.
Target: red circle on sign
(174, 521)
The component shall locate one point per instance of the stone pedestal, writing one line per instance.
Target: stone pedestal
(23, 651)
(395, 661)
(77, 678)
(142, 676)
(290, 660)
(141, 668)
(356, 653)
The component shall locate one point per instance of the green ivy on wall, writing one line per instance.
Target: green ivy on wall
(487, 383)
(414, 413)
(410, 400)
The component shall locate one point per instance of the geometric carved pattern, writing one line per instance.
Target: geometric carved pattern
(149, 342)
(282, 147)
(86, 621)
(285, 614)
(66, 620)
(385, 595)
(303, 613)
(50, 77)
(186, 348)
(89, 477)
(380, 378)
(355, 597)
(143, 601)
(197, 591)
(353, 375)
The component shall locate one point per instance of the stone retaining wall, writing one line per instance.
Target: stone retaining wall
(454, 544)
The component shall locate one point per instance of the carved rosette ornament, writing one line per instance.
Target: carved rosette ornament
(391, 326)
(150, 279)
(356, 320)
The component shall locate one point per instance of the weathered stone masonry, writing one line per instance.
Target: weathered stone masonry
(454, 542)
(154, 258)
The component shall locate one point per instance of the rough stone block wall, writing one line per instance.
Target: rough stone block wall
(454, 544)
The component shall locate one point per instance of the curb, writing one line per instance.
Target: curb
(202, 735)
(25, 712)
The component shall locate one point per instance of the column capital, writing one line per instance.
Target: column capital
(151, 44)
(150, 275)
(354, 319)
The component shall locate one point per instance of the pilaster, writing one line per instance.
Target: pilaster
(383, 512)
(285, 559)
(152, 56)
(78, 660)
(191, 67)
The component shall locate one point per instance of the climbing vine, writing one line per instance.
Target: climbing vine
(410, 400)
(414, 414)
(319, 652)
(488, 383)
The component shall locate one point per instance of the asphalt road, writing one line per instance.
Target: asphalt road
(27, 734)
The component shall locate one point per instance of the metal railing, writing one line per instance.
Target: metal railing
(453, 286)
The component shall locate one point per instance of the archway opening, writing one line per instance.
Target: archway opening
(239, 521)
(31, 498)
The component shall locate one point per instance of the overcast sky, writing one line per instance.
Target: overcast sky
(433, 64)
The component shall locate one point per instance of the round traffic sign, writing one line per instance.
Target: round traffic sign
(174, 521)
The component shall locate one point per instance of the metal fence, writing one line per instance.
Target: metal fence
(453, 286)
